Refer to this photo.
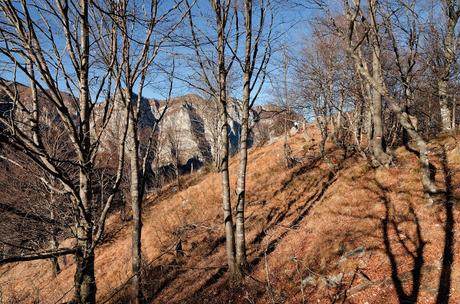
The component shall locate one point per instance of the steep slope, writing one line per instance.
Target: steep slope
(349, 234)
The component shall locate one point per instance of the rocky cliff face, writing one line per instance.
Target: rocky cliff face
(188, 133)
(190, 129)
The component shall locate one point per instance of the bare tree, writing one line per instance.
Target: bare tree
(321, 74)
(32, 44)
(254, 73)
(451, 10)
(282, 91)
(378, 151)
(215, 76)
(140, 46)
(356, 17)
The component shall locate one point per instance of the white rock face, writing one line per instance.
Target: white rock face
(189, 131)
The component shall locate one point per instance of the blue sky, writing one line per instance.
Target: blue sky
(291, 27)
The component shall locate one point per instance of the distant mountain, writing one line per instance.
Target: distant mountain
(189, 130)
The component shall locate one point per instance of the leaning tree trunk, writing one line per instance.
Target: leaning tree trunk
(428, 185)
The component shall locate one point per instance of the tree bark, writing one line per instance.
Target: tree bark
(226, 202)
(444, 105)
(241, 183)
(136, 205)
(379, 155)
(449, 50)
(84, 279)
(221, 19)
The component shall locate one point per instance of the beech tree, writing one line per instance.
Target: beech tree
(213, 69)
(142, 34)
(378, 149)
(451, 9)
(254, 68)
(362, 24)
(52, 47)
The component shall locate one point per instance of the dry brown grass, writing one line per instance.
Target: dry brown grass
(300, 223)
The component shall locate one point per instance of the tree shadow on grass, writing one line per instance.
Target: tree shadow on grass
(449, 226)
(416, 254)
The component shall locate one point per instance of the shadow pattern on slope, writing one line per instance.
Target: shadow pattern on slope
(309, 204)
(275, 219)
(449, 230)
(403, 230)
(393, 224)
(417, 242)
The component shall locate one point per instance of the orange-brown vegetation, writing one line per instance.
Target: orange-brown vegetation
(352, 235)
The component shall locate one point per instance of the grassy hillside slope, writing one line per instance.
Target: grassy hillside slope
(350, 234)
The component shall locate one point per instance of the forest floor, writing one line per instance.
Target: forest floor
(315, 234)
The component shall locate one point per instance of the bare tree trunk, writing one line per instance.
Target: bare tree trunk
(54, 243)
(449, 50)
(360, 124)
(369, 127)
(361, 66)
(176, 169)
(403, 118)
(226, 202)
(136, 205)
(381, 158)
(454, 109)
(444, 105)
(409, 101)
(248, 69)
(241, 183)
(54, 260)
(221, 20)
(85, 281)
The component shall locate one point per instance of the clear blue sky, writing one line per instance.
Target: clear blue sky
(291, 27)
